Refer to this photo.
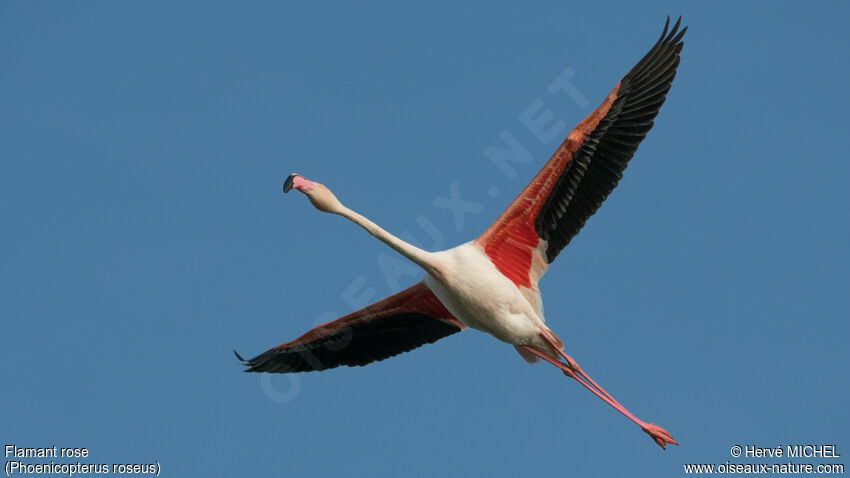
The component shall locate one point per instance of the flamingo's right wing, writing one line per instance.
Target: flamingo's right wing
(575, 181)
(396, 324)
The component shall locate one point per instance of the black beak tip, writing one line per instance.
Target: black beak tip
(287, 185)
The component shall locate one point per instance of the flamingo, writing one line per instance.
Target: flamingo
(491, 284)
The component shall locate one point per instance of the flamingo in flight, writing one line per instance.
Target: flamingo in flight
(490, 284)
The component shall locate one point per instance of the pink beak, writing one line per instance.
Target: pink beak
(298, 182)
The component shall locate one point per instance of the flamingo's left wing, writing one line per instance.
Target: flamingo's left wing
(396, 324)
(578, 177)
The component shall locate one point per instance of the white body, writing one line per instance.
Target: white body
(474, 291)
(464, 279)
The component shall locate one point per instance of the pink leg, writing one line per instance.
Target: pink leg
(575, 368)
(571, 369)
(570, 373)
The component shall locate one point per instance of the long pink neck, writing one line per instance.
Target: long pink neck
(420, 257)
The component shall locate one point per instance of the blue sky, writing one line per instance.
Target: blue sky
(143, 151)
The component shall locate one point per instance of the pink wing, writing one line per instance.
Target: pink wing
(396, 324)
(578, 177)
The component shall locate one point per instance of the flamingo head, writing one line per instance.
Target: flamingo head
(321, 197)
